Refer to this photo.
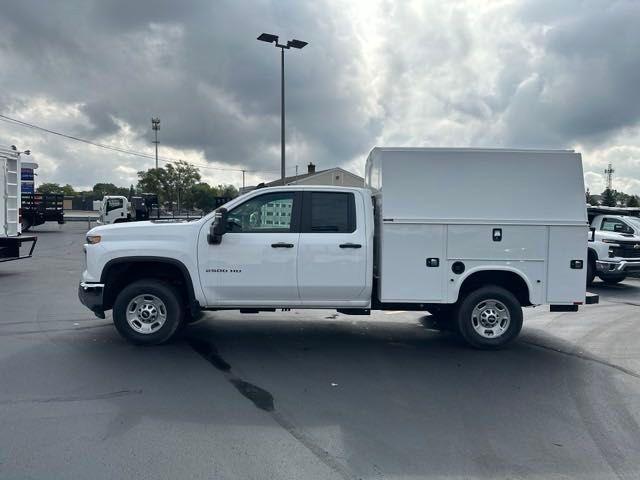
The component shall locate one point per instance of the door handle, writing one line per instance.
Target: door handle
(350, 245)
(282, 245)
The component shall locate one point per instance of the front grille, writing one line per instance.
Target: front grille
(626, 249)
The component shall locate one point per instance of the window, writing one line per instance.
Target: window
(331, 213)
(615, 225)
(256, 214)
(113, 203)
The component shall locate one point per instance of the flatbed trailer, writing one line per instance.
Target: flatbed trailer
(38, 208)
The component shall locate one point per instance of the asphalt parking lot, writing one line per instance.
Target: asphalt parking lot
(308, 394)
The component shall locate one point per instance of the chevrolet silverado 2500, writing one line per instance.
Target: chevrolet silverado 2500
(449, 231)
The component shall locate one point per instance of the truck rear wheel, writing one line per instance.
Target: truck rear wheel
(148, 312)
(489, 318)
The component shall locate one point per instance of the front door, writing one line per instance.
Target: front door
(114, 210)
(255, 263)
(332, 263)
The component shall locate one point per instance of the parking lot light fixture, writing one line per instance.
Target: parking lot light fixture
(270, 38)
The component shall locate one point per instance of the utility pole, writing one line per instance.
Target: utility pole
(155, 125)
(269, 38)
(243, 178)
(609, 173)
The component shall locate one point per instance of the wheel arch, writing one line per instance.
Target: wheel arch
(506, 277)
(119, 272)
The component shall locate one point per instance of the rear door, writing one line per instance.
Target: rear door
(332, 261)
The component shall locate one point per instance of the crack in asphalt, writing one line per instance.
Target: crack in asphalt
(73, 398)
(582, 356)
(264, 400)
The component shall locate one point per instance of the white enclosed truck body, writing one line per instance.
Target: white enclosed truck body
(469, 235)
(519, 212)
(11, 238)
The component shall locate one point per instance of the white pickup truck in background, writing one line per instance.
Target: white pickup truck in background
(449, 231)
(614, 250)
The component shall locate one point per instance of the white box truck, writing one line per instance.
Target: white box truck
(470, 235)
(11, 238)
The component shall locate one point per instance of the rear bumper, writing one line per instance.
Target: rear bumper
(589, 299)
(90, 295)
(622, 266)
(10, 247)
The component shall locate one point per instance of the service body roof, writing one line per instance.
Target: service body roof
(486, 185)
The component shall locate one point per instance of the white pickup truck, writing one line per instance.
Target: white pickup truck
(614, 250)
(449, 231)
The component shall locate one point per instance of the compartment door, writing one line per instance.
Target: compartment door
(404, 273)
(566, 284)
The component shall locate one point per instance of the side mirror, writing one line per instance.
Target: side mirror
(218, 227)
(592, 234)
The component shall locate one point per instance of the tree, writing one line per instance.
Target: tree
(49, 188)
(181, 177)
(227, 191)
(201, 196)
(609, 198)
(588, 197)
(102, 189)
(68, 190)
(633, 201)
(171, 183)
(154, 180)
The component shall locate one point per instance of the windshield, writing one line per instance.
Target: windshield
(634, 223)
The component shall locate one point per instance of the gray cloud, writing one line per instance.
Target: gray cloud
(538, 74)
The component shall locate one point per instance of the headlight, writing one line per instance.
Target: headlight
(93, 239)
(606, 240)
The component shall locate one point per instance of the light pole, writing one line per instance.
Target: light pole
(269, 38)
(155, 125)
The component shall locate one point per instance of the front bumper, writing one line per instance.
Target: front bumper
(90, 295)
(622, 266)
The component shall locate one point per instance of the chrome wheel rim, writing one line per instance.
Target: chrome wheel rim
(490, 318)
(146, 314)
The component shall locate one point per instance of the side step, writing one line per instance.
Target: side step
(591, 298)
(354, 311)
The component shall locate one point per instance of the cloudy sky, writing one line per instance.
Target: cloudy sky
(544, 74)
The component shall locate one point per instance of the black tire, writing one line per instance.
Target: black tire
(26, 225)
(466, 319)
(613, 279)
(172, 304)
(591, 271)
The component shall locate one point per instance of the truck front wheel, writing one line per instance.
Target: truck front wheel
(489, 318)
(613, 279)
(148, 312)
(591, 271)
